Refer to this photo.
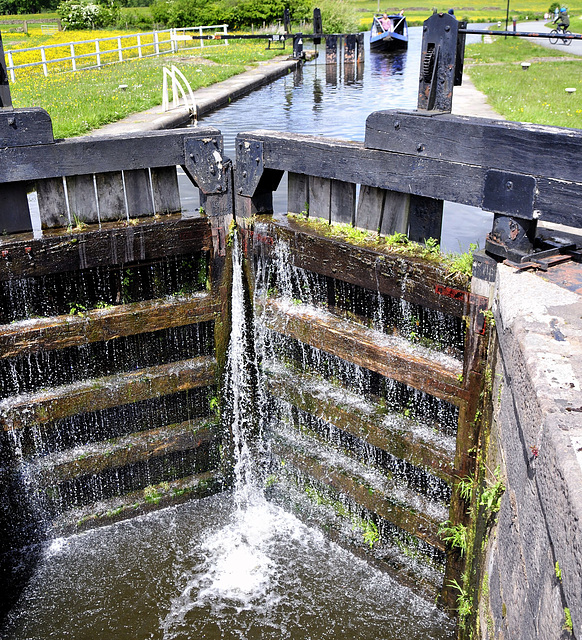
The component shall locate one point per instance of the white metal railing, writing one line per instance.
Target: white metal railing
(178, 81)
(153, 43)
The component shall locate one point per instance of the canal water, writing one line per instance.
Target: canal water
(235, 566)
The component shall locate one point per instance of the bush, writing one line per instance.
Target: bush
(236, 13)
(135, 21)
(338, 16)
(84, 14)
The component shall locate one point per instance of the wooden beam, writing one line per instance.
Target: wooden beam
(60, 332)
(412, 279)
(42, 407)
(104, 245)
(530, 149)
(137, 503)
(120, 452)
(100, 154)
(388, 507)
(391, 357)
(391, 433)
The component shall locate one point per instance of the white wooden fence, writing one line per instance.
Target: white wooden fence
(65, 56)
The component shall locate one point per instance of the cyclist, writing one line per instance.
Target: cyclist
(562, 21)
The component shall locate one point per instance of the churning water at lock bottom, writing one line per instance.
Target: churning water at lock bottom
(230, 566)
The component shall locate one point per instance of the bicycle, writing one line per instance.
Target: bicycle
(556, 34)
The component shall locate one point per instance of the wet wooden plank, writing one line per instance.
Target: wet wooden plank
(343, 202)
(40, 408)
(425, 219)
(389, 434)
(350, 49)
(123, 451)
(165, 190)
(298, 193)
(138, 503)
(82, 199)
(109, 244)
(319, 198)
(387, 355)
(138, 192)
(370, 208)
(60, 332)
(395, 213)
(111, 196)
(52, 203)
(100, 154)
(14, 213)
(411, 279)
(382, 211)
(391, 509)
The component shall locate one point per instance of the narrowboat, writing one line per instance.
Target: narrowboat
(389, 33)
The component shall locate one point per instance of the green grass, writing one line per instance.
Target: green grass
(537, 95)
(480, 11)
(85, 100)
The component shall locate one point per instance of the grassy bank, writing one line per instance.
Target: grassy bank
(537, 95)
(84, 100)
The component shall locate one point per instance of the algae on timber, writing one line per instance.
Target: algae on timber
(457, 266)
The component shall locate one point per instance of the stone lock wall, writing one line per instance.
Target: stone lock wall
(532, 575)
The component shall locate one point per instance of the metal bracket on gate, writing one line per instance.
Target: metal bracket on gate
(249, 166)
(203, 162)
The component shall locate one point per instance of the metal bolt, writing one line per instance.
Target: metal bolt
(447, 28)
(420, 147)
(192, 156)
(397, 125)
(27, 250)
(509, 185)
(424, 28)
(240, 191)
(257, 160)
(212, 170)
(244, 174)
(12, 122)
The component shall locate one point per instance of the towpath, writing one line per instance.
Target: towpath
(573, 49)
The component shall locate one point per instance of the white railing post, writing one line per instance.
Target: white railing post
(139, 45)
(44, 64)
(120, 52)
(156, 43)
(201, 41)
(98, 53)
(74, 58)
(11, 66)
(225, 31)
